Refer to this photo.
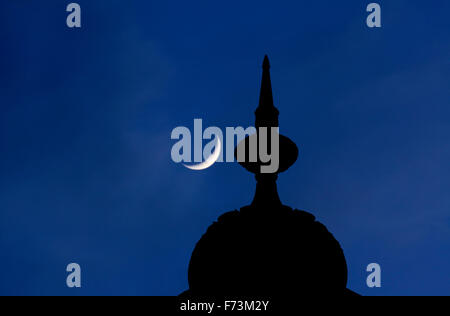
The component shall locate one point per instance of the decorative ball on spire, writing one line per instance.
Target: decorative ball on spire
(266, 116)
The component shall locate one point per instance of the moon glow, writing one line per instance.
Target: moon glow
(211, 159)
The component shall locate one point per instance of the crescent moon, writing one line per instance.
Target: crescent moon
(211, 159)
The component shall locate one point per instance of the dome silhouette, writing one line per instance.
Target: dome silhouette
(267, 248)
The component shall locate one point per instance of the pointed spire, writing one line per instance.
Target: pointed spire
(266, 64)
(266, 113)
(267, 116)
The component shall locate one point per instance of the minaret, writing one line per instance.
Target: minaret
(267, 249)
(266, 115)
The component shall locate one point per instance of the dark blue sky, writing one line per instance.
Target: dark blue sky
(86, 116)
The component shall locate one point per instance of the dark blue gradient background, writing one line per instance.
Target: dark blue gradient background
(86, 116)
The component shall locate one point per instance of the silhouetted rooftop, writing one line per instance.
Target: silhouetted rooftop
(268, 248)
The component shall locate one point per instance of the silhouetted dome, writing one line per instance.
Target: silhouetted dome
(255, 252)
(267, 248)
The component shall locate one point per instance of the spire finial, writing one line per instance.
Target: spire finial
(266, 64)
(266, 113)
(267, 116)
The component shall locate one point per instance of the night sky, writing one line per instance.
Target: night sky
(86, 116)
